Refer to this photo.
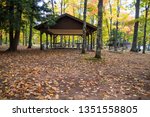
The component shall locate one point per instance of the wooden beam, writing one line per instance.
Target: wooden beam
(73, 41)
(47, 41)
(91, 41)
(66, 31)
(51, 41)
(41, 43)
(88, 43)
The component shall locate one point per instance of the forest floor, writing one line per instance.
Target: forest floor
(67, 74)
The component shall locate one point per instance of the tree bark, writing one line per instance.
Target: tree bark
(18, 24)
(11, 27)
(26, 35)
(145, 27)
(107, 22)
(30, 35)
(136, 25)
(110, 9)
(23, 37)
(6, 34)
(117, 25)
(149, 45)
(53, 10)
(84, 27)
(79, 10)
(1, 37)
(99, 30)
(61, 5)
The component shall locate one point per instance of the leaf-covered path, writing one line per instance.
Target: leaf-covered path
(67, 74)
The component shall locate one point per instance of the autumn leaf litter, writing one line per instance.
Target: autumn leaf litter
(67, 74)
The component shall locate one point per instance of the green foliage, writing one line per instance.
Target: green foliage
(119, 35)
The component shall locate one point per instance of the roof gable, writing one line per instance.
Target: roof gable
(69, 19)
(65, 23)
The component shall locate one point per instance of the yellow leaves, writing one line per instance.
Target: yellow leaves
(55, 83)
(39, 88)
(5, 81)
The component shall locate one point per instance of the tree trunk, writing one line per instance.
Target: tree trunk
(107, 23)
(26, 35)
(149, 45)
(117, 24)
(61, 5)
(0, 37)
(6, 34)
(11, 27)
(64, 4)
(18, 25)
(14, 39)
(92, 20)
(23, 37)
(79, 10)
(145, 26)
(84, 27)
(110, 9)
(99, 29)
(136, 25)
(53, 10)
(30, 35)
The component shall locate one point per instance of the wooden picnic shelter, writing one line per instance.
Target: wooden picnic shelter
(66, 25)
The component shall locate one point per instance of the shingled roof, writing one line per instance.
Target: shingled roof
(66, 24)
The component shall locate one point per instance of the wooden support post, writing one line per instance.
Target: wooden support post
(51, 41)
(65, 42)
(41, 43)
(73, 41)
(69, 42)
(54, 41)
(47, 43)
(61, 41)
(91, 42)
(6, 41)
(88, 43)
(23, 43)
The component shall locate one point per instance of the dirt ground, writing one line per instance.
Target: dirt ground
(67, 74)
